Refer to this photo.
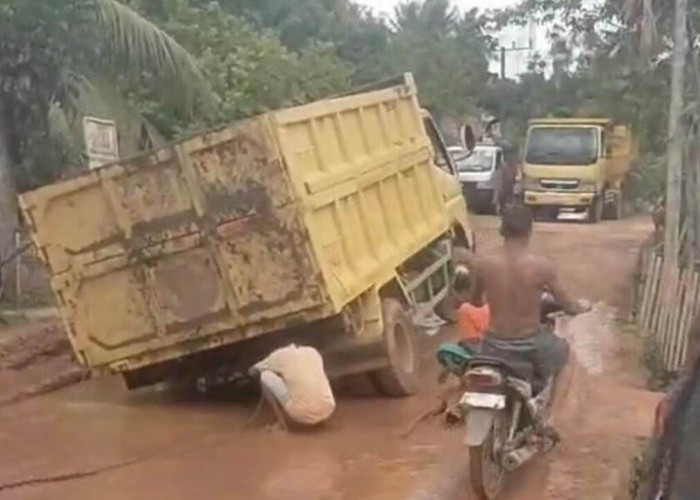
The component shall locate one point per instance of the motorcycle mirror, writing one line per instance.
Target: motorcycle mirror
(466, 134)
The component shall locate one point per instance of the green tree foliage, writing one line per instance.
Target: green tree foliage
(247, 67)
(447, 54)
(187, 64)
(49, 50)
(619, 71)
(357, 36)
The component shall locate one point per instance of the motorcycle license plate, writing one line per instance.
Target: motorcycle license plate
(483, 400)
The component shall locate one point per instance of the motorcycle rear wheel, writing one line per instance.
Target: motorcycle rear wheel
(486, 473)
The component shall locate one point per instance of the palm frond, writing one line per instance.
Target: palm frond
(145, 46)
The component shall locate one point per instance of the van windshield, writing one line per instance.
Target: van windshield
(481, 160)
(562, 146)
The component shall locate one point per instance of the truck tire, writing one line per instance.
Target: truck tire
(595, 211)
(619, 208)
(400, 378)
(614, 209)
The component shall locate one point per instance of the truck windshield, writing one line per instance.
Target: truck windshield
(481, 160)
(562, 146)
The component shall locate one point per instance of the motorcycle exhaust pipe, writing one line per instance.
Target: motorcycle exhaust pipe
(517, 458)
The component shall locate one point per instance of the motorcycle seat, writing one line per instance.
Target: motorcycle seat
(495, 362)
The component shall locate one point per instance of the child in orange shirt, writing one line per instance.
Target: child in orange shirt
(473, 318)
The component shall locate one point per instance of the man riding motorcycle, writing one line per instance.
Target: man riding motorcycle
(513, 279)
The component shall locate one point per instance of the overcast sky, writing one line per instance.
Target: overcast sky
(387, 6)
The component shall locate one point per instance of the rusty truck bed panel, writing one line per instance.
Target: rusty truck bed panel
(239, 231)
(189, 241)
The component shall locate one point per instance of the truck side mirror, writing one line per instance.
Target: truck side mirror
(467, 136)
(608, 149)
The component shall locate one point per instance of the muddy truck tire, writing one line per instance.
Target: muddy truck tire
(595, 211)
(400, 378)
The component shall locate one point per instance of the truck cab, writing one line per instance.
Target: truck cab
(576, 164)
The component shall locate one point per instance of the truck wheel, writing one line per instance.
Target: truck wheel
(613, 210)
(595, 211)
(619, 208)
(400, 378)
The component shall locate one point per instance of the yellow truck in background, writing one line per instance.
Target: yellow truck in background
(577, 163)
(330, 224)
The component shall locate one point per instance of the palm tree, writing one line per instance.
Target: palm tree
(55, 47)
(431, 17)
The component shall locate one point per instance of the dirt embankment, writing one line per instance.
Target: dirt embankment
(35, 359)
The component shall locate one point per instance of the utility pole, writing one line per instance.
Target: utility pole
(530, 46)
(675, 136)
(503, 51)
(503, 63)
(561, 58)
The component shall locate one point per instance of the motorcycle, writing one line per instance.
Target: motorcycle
(505, 413)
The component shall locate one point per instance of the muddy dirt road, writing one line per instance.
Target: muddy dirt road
(95, 440)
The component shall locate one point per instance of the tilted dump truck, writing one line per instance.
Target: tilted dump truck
(579, 164)
(330, 224)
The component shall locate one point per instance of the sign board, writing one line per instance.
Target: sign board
(101, 142)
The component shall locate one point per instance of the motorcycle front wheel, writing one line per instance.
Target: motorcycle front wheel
(486, 473)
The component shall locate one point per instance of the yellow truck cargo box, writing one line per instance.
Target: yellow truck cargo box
(278, 220)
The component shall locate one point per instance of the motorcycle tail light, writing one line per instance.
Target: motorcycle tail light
(484, 377)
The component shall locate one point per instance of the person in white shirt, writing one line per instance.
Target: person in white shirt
(294, 383)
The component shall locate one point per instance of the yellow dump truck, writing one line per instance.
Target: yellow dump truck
(330, 224)
(579, 164)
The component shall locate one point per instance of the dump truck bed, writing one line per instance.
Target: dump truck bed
(268, 223)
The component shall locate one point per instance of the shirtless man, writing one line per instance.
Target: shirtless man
(513, 279)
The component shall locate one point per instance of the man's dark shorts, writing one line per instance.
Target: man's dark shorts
(534, 358)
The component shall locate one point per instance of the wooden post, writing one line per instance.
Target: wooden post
(690, 202)
(675, 332)
(18, 270)
(689, 298)
(664, 327)
(675, 135)
(649, 272)
(651, 297)
(659, 311)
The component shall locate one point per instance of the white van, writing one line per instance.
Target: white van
(477, 174)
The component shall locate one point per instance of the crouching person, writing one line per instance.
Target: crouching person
(294, 384)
